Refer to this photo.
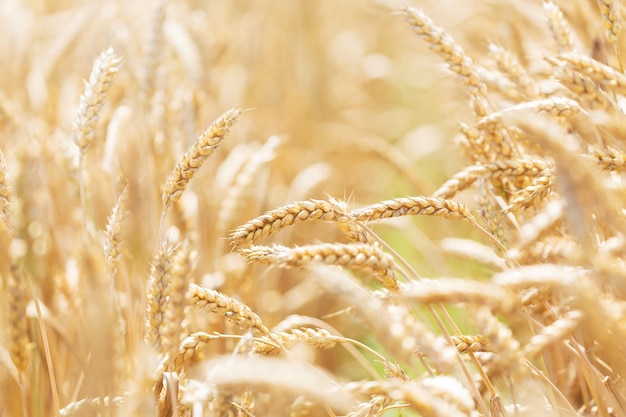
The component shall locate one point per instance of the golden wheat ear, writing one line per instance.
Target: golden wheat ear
(103, 73)
(279, 218)
(192, 160)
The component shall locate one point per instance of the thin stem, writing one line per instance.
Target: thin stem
(437, 318)
(161, 227)
(81, 181)
(46, 347)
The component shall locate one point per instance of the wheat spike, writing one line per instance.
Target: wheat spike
(158, 287)
(18, 330)
(216, 302)
(113, 245)
(560, 28)
(103, 73)
(279, 218)
(195, 156)
(366, 257)
(424, 206)
(611, 18)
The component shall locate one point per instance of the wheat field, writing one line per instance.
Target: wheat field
(312, 208)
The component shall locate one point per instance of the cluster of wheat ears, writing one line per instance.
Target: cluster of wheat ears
(146, 270)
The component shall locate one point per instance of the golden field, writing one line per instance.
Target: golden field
(312, 208)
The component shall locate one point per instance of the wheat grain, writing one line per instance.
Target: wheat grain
(540, 275)
(501, 341)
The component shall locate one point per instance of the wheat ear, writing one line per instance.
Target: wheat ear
(18, 330)
(113, 245)
(193, 159)
(233, 310)
(103, 73)
(279, 218)
(608, 77)
(555, 332)
(158, 287)
(609, 9)
(183, 266)
(560, 28)
(234, 196)
(425, 206)
(509, 65)
(370, 258)
(190, 347)
(5, 194)
(458, 61)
